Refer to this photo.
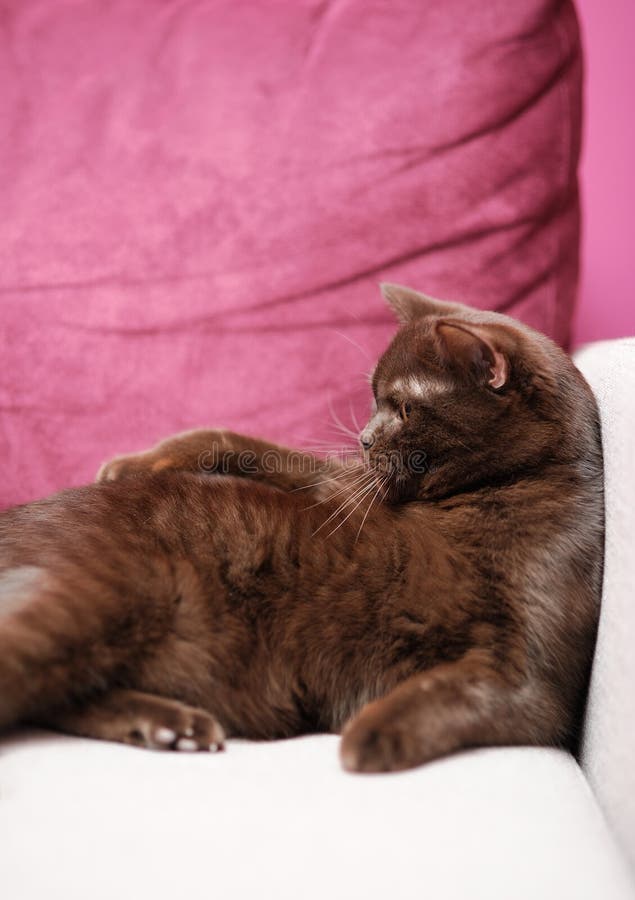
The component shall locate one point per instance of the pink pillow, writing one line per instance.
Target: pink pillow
(199, 199)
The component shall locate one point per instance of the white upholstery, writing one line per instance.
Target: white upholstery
(84, 820)
(608, 750)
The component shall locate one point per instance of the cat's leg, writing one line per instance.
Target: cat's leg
(145, 720)
(218, 452)
(66, 636)
(454, 706)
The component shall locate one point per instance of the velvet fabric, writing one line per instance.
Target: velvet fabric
(199, 199)
(607, 175)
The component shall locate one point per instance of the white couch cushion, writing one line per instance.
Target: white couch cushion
(608, 748)
(83, 820)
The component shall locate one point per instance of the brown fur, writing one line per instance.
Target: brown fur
(187, 595)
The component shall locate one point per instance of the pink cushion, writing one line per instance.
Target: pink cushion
(199, 199)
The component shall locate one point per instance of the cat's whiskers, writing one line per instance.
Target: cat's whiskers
(340, 476)
(342, 429)
(353, 502)
(343, 450)
(362, 491)
(321, 442)
(341, 490)
(381, 484)
(385, 485)
(339, 424)
(353, 491)
(354, 417)
(354, 344)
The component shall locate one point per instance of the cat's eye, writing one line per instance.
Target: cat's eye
(404, 411)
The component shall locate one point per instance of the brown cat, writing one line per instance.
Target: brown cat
(443, 593)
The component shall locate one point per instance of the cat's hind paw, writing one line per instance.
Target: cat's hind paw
(133, 464)
(177, 727)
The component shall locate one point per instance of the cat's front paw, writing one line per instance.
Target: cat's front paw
(370, 745)
(133, 464)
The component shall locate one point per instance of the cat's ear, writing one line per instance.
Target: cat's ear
(476, 347)
(409, 305)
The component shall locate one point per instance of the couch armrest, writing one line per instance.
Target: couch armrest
(608, 746)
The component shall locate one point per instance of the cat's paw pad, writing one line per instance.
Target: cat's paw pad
(178, 727)
(164, 736)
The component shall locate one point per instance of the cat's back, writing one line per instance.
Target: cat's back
(151, 513)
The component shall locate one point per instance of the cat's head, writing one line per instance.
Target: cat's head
(464, 397)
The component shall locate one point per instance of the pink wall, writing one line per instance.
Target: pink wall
(607, 302)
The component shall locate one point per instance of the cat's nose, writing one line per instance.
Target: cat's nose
(366, 439)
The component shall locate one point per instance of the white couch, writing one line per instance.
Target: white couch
(84, 820)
